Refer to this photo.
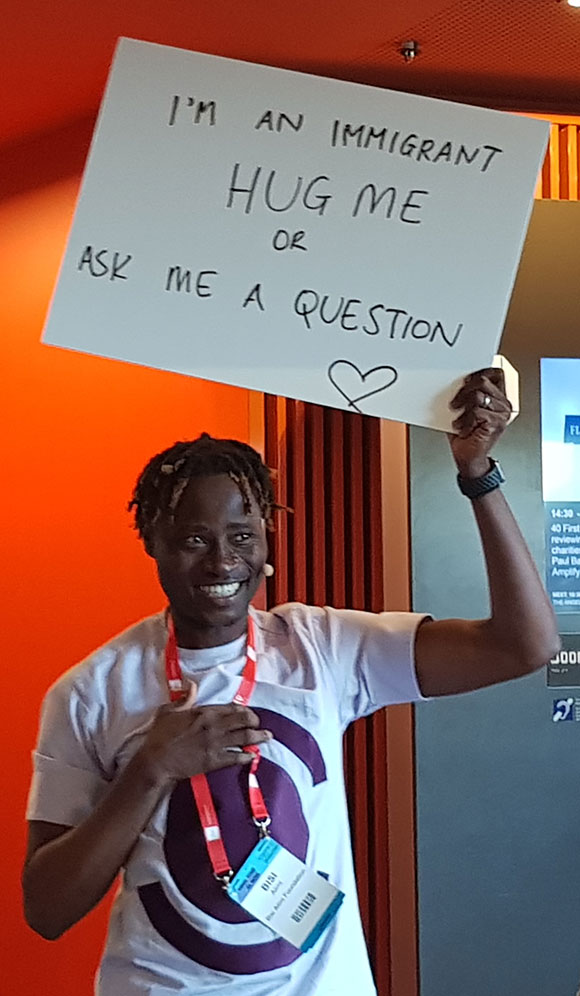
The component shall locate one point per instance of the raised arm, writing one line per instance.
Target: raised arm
(69, 869)
(521, 635)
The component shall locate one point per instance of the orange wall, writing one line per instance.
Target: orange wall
(76, 432)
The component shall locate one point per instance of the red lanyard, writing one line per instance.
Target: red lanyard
(199, 783)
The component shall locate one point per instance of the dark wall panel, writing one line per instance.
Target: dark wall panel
(498, 783)
(328, 549)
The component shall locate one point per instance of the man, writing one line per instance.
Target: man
(119, 769)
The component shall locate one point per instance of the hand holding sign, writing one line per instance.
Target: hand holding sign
(486, 413)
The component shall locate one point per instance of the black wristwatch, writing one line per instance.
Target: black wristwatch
(475, 487)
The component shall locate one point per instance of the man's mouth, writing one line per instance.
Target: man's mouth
(227, 590)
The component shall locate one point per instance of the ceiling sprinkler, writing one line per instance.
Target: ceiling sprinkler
(409, 50)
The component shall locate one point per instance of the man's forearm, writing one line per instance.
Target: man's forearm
(522, 618)
(460, 655)
(66, 877)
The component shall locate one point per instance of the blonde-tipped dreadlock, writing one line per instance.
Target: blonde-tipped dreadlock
(161, 484)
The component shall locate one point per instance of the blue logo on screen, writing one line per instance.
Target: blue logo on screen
(572, 429)
(562, 711)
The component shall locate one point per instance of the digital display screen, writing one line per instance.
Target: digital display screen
(564, 668)
(560, 409)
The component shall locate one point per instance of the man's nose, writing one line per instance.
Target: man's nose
(221, 560)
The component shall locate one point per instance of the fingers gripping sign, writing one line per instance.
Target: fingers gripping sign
(485, 415)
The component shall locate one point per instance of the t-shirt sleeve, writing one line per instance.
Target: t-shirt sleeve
(68, 780)
(370, 657)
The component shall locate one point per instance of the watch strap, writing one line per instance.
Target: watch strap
(475, 487)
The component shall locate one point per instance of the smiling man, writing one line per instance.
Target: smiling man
(211, 552)
(174, 749)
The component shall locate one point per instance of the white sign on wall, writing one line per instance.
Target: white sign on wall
(322, 240)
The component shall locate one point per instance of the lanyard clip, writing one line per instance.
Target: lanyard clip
(262, 826)
(224, 879)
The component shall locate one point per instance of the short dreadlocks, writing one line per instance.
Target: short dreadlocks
(162, 482)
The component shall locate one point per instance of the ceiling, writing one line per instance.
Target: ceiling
(523, 54)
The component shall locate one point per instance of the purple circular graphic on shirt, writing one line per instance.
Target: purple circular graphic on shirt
(188, 862)
(184, 844)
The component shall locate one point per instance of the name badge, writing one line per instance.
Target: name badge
(278, 889)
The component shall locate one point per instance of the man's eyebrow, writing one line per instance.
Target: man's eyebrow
(191, 527)
(251, 520)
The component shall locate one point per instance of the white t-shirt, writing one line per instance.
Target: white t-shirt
(172, 929)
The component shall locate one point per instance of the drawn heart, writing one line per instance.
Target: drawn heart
(352, 379)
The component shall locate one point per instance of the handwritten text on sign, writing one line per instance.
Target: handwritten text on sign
(322, 240)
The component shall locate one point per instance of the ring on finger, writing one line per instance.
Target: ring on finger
(487, 401)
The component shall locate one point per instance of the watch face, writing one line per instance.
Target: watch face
(497, 469)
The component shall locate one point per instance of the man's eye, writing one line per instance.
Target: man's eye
(193, 541)
(243, 537)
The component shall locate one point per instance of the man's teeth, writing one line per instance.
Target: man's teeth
(221, 590)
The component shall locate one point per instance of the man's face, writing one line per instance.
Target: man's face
(210, 560)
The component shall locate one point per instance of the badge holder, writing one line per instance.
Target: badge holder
(278, 889)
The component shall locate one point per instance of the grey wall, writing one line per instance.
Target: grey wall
(498, 783)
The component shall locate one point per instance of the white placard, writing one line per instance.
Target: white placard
(322, 240)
